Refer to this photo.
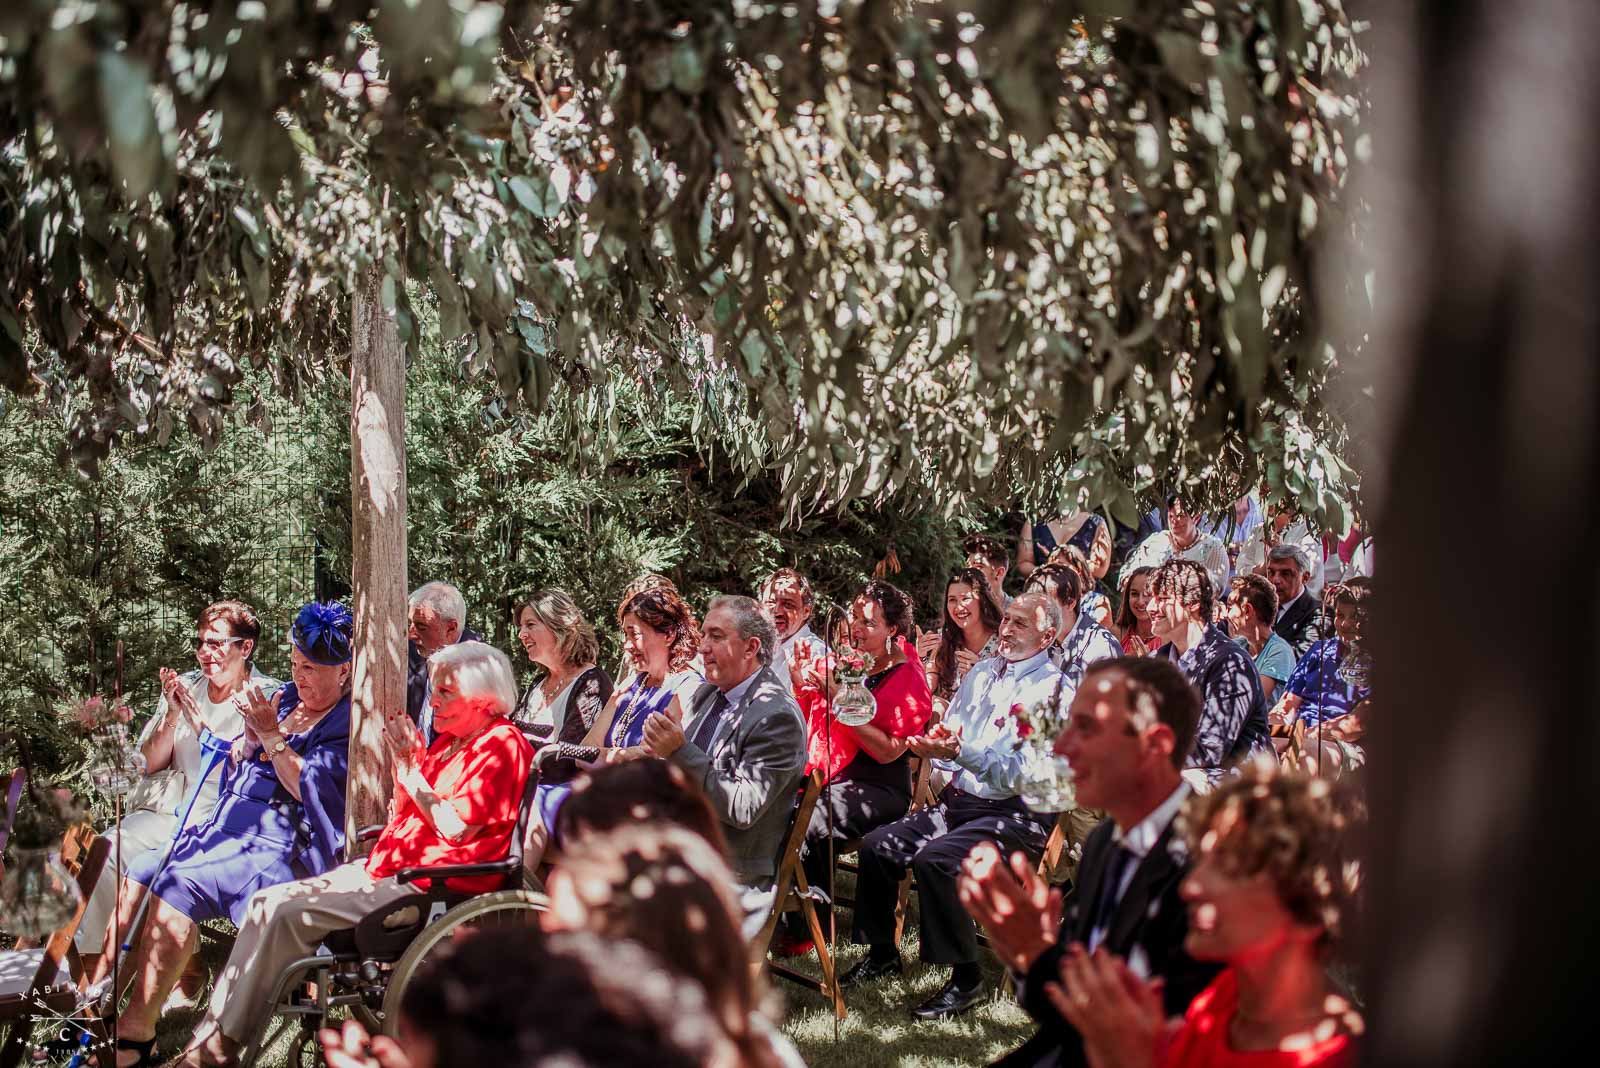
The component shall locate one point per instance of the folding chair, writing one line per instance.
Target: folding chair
(794, 894)
(41, 983)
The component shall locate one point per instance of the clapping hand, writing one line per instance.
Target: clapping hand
(180, 701)
(1019, 910)
(927, 645)
(259, 710)
(663, 735)
(351, 1047)
(940, 743)
(1119, 1015)
(965, 659)
(405, 743)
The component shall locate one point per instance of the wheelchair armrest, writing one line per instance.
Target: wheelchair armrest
(508, 866)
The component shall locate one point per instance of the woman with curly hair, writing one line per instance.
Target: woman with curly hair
(1270, 894)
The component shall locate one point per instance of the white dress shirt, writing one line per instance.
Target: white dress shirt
(989, 764)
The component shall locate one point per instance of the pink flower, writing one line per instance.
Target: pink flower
(1000, 722)
(124, 714)
(1017, 711)
(1024, 728)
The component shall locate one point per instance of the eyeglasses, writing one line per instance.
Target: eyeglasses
(214, 645)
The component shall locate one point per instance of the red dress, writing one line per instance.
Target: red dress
(1202, 1041)
(483, 782)
(904, 706)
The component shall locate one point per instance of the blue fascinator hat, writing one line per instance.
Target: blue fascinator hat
(322, 632)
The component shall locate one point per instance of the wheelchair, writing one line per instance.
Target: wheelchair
(367, 968)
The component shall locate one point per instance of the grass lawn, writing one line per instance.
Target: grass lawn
(879, 1030)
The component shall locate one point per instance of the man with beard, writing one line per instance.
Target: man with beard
(976, 745)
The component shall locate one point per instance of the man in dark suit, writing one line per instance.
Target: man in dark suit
(744, 744)
(1128, 733)
(437, 617)
(1299, 613)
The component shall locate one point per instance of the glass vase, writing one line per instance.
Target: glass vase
(854, 705)
(116, 765)
(1046, 781)
(37, 895)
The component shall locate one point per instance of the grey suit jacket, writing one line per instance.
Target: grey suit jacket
(755, 762)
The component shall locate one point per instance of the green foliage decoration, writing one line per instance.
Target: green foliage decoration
(1065, 249)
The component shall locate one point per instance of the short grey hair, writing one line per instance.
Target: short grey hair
(444, 599)
(1286, 551)
(479, 670)
(750, 622)
(1052, 607)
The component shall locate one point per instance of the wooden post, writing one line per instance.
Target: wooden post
(378, 547)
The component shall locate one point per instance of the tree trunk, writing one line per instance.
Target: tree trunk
(378, 548)
(1483, 775)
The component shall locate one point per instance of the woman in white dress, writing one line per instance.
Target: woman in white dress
(225, 640)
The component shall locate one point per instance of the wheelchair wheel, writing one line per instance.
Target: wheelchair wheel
(503, 909)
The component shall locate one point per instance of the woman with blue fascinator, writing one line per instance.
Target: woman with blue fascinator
(279, 817)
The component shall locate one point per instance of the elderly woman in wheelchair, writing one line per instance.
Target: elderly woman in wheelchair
(457, 803)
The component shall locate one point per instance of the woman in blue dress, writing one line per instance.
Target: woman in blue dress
(659, 642)
(279, 817)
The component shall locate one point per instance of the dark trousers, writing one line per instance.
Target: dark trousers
(933, 843)
(856, 807)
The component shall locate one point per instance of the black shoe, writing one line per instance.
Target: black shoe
(871, 967)
(952, 1000)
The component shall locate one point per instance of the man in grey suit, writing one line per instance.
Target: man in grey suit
(744, 744)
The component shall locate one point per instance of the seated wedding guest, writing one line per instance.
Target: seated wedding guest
(1233, 716)
(455, 802)
(787, 601)
(437, 614)
(225, 641)
(867, 768)
(1133, 624)
(1252, 605)
(1299, 617)
(1127, 733)
(519, 998)
(564, 704)
(1283, 529)
(659, 642)
(279, 817)
(1271, 889)
(975, 744)
(670, 892)
(1183, 540)
(1082, 640)
(745, 744)
(969, 633)
(990, 557)
(639, 791)
(1321, 692)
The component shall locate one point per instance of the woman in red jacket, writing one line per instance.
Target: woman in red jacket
(867, 768)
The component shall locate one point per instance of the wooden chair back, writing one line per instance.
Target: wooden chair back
(84, 855)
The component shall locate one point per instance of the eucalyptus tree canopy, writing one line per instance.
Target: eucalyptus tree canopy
(960, 248)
